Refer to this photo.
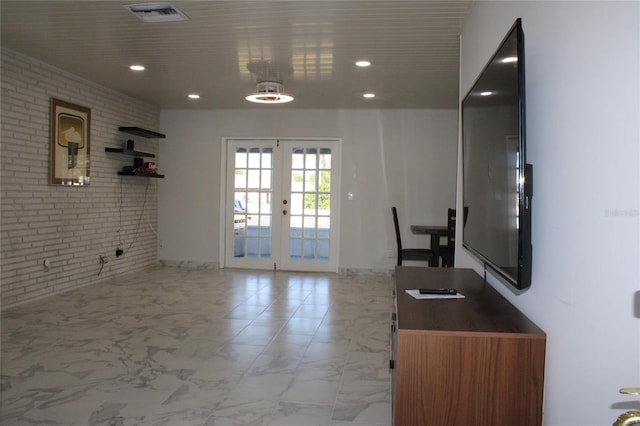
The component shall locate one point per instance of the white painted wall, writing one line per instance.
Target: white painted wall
(582, 71)
(401, 157)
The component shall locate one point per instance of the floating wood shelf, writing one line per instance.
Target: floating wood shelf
(142, 132)
(130, 152)
(140, 175)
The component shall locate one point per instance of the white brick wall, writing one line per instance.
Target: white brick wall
(70, 226)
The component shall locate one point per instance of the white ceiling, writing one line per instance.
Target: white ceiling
(312, 45)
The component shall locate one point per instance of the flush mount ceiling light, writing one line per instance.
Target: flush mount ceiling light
(136, 67)
(363, 64)
(269, 76)
(269, 92)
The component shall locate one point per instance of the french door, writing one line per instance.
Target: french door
(282, 204)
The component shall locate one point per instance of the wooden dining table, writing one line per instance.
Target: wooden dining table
(436, 232)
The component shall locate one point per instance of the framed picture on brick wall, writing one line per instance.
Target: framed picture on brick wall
(70, 144)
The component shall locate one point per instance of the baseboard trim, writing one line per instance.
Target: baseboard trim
(365, 271)
(188, 264)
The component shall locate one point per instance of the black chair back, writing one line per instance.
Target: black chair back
(398, 239)
(420, 254)
(448, 251)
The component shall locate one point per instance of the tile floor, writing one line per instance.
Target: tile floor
(186, 347)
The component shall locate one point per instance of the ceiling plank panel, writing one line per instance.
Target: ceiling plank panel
(413, 45)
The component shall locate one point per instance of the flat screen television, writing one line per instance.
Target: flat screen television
(497, 181)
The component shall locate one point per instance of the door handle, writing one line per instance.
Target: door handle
(631, 417)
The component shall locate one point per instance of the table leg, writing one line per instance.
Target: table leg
(435, 247)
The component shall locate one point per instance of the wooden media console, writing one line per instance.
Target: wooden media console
(471, 361)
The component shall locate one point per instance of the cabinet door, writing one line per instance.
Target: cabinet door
(467, 379)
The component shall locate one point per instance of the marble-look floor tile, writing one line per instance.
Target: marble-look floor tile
(302, 325)
(366, 367)
(201, 347)
(313, 386)
(326, 355)
(362, 405)
(297, 414)
(250, 411)
(288, 345)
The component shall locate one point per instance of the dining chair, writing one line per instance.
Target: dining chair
(447, 251)
(419, 254)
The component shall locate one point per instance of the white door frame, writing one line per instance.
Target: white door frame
(335, 189)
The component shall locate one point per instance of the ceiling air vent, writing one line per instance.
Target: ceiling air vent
(156, 12)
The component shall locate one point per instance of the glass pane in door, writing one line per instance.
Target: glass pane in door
(253, 191)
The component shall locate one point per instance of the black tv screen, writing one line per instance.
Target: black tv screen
(496, 177)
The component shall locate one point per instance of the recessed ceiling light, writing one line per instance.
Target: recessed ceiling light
(194, 96)
(137, 67)
(369, 95)
(363, 64)
(487, 93)
(509, 59)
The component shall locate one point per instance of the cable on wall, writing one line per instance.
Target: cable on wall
(144, 204)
